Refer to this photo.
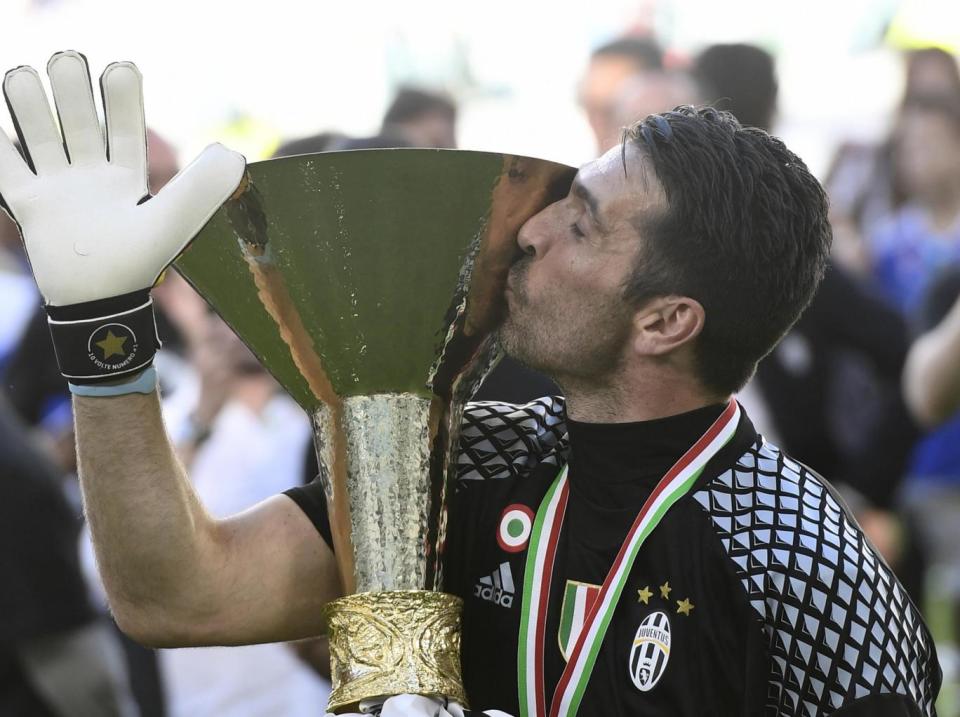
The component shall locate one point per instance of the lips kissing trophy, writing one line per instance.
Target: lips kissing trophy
(368, 283)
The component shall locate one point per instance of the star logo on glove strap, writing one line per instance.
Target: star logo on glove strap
(112, 345)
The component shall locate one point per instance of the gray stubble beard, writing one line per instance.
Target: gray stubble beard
(572, 354)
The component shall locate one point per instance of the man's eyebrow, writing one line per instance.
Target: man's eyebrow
(581, 192)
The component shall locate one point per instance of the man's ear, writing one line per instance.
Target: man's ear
(666, 323)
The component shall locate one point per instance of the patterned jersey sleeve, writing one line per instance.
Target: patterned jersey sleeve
(503, 440)
(839, 626)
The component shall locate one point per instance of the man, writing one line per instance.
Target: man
(741, 79)
(830, 389)
(612, 67)
(421, 118)
(241, 439)
(648, 93)
(648, 293)
(931, 377)
(57, 659)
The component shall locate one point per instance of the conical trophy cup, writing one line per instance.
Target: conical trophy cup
(369, 283)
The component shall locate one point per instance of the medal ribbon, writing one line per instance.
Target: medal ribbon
(538, 575)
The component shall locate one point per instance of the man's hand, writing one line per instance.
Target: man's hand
(81, 211)
(885, 531)
(174, 575)
(79, 201)
(931, 377)
(417, 706)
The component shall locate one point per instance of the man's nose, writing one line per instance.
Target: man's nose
(534, 235)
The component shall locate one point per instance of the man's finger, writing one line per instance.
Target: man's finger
(33, 119)
(122, 87)
(73, 95)
(188, 201)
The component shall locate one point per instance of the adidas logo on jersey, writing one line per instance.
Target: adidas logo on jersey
(496, 587)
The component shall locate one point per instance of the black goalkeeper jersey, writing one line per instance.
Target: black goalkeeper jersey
(757, 594)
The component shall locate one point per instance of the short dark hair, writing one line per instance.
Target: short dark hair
(645, 52)
(411, 103)
(745, 232)
(377, 141)
(306, 145)
(741, 79)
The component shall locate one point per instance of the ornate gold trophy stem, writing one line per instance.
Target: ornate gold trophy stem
(396, 642)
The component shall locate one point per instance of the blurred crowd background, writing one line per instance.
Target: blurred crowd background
(865, 389)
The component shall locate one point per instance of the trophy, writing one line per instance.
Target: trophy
(369, 284)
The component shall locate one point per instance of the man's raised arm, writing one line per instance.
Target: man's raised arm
(174, 575)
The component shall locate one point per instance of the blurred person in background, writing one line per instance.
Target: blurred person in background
(415, 118)
(57, 658)
(651, 92)
(18, 294)
(932, 390)
(242, 440)
(311, 144)
(830, 391)
(26, 355)
(741, 79)
(931, 72)
(421, 118)
(38, 394)
(601, 89)
(909, 248)
(932, 374)
(863, 182)
(912, 257)
(377, 141)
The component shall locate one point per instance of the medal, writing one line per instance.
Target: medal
(538, 575)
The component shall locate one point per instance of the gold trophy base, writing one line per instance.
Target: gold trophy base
(391, 643)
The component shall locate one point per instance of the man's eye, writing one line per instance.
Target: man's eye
(576, 231)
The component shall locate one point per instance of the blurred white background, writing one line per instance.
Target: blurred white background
(252, 73)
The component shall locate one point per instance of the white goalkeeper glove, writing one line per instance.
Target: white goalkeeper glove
(95, 245)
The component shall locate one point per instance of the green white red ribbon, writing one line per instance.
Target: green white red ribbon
(539, 574)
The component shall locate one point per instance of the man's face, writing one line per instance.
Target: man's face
(434, 129)
(928, 153)
(567, 315)
(599, 95)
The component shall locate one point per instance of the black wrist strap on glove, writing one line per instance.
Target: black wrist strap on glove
(105, 339)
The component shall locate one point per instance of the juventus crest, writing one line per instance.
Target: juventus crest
(650, 652)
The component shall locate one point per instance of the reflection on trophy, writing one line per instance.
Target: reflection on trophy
(369, 283)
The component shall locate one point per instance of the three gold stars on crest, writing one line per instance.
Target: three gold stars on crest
(684, 607)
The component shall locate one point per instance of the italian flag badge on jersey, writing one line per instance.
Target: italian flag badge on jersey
(513, 531)
(578, 598)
